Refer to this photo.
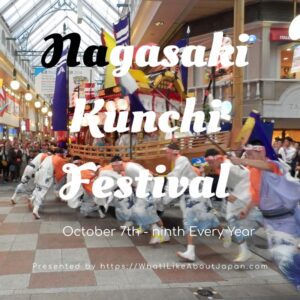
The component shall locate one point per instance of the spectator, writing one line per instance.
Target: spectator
(288, 153)
(99, 142)
(277, 144)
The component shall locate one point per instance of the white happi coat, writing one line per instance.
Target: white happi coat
(144, 209)
(27, 181)
(195, 210)
(44, 176)
(238, 185)
(115, 176)
(75, 201)
(182, 168)
(122, 206)
(32, 167)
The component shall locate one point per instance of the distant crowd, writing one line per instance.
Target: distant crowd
(289, 151)
(15, 155)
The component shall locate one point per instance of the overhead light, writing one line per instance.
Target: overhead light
(294, 32)
(50, 114)
(216, 104)
(159, 23)
(37, 103)
(28, 95)
(288, 49)
(244, 37)
(285, 58)
(44, 109)
(15, 84)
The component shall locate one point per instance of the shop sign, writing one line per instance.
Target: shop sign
(279, 34)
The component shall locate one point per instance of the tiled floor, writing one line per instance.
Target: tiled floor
(36, 257)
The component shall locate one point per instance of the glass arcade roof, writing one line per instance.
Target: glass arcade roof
(30, 21)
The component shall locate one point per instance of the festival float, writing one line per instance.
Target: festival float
(158, 92)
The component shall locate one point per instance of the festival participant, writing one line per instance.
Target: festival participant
(195, 211)
(50, 172)
(143, 211)
(89, 205)
(123, 206)
(77, 199)
(278, 199)
(27, 181)
(238, 186)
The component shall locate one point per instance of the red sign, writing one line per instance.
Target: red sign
(279, 34)
(27, 125)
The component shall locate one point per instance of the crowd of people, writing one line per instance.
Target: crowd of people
(15, 155)
(261, 192)
(289, 151)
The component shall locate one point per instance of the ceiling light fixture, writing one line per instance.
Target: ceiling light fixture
(28, 95)
(37, 103)
(159, 23)
(15, 84)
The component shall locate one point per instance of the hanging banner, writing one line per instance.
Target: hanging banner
(81, 84)
(44, 81)
(60, 98)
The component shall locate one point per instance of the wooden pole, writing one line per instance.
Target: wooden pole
(238, 74)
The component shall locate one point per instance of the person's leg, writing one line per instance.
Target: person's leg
(283, 248)
(159, 233)
(123, 210)
(40, 195)
(145, 215)
(19, 189)
(240, 231)
(5, 173)
(189, 254)
(18, 167)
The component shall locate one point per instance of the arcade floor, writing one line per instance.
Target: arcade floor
(37, 261)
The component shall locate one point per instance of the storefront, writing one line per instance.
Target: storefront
(287, 53)
(8, 132)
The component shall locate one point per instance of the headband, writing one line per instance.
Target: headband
(78, 161)
(212, 158)
(118, 162)
(254, 148)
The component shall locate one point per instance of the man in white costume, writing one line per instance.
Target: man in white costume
(77, 199)
(195, 210)
(123, 207)
(27, 185)
(238, 187)
(50, 172)
(143, 210)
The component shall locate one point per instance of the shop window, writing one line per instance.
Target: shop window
(286, 61)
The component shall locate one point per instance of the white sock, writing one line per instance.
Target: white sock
(190, 248)
(244, 247)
